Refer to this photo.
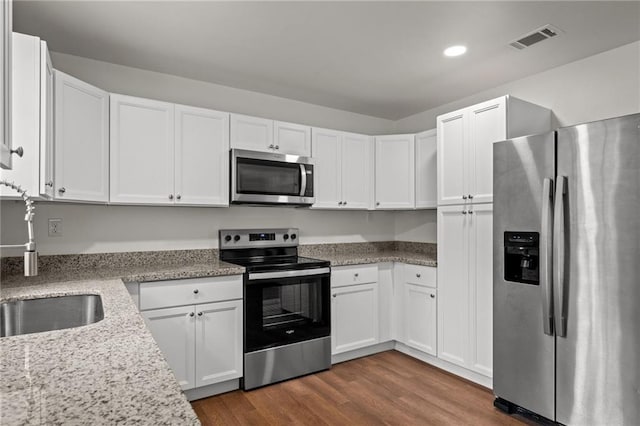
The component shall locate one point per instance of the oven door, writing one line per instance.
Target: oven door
(259, 177)
(284, 307)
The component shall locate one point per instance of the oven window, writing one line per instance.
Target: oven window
(267, 177)
(282, 312)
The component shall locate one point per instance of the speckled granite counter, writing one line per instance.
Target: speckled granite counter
(361, 253)
(110, 372)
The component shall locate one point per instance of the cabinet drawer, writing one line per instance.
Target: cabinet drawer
(351, 275)
(161, 294)
(421, 275)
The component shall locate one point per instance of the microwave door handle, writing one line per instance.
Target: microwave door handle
(303, 180)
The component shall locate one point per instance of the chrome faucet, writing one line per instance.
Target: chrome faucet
(30, 254)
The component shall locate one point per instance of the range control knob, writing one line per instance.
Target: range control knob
(227, 238)
(293, 236)
(286, 237)
(236, 238)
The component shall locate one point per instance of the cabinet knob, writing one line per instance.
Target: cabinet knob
(339, 203)
(433, 296)
(277, 147)
(378, 203)
(171, 196)
(191, 314)
(418, 275)
(199, 314)
(464, 197)
(344, 203)
(470, 196)
(470, 211)
(178, 196)
(196, 291)
(464, 212)
(334, 295)
(271, 146)
(19, 151)
(356, 275)
(62, 190)
(50, 183)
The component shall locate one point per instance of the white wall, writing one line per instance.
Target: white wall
(417, 226)
(601, 86)
(136, 82)
(100, 229)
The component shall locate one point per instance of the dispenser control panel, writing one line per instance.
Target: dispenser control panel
(522, 257)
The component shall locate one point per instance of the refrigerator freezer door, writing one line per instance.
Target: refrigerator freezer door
(523, 354)
(598, 362)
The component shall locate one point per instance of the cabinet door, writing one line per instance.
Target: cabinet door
(327, 171)
(290, 138)
(174, 331)
(141, 151)
(218, 342)
(452, 170)
(420, 318)
(487, 124)
(25, 107)
(46, 122)
(395, 172)
(82, 140)
(255, 134)
(357, 163)
(354, 317)
(481, 288)
(426, 170)
(6, 16)
(453, 285)
(201, 156)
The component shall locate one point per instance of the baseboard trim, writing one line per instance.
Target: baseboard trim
(472, 376)
(359, 353)
(211, 390)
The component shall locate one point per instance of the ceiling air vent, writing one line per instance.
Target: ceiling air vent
(536, 36)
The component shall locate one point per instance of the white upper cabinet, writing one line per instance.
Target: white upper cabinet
(343, 165)
(201, 156)
(327, 158)
(261, 134)
(290, 138)
(395, 172)
(82, 140)
(6, 16)
(465, 145)
(32, 87)
(252, 133)
(142, 135)
(426, 170)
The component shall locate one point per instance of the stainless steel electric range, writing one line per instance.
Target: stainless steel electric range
(287, 318)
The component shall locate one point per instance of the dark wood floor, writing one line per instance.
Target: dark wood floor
(386, 388)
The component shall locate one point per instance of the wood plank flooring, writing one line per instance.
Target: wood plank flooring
(388, 388)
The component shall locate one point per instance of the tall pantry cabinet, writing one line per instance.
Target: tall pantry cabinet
(465, 222)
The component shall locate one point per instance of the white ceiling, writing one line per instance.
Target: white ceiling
(377, 58)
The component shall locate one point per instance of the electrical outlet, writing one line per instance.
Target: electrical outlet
(55, 227)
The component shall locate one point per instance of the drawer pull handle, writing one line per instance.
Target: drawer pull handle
(417, 275)
(196, 291)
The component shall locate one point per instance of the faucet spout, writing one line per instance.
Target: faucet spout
(30, 254)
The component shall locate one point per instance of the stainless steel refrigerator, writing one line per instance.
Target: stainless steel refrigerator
(567, 273)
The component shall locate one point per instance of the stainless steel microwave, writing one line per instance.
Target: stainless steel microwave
(268, 178)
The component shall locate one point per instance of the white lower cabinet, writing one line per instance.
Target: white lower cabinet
(354, 317)
(420, 320)
(201, 342)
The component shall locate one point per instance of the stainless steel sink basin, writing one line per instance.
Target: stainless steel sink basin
(49, 313)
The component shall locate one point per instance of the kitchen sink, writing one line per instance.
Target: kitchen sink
(49, 313)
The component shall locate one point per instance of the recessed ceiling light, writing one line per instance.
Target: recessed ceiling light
(455, 50)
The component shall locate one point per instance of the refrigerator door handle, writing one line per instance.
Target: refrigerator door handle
(559, 251)
(546, 247)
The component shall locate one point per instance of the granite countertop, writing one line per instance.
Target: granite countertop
(110, 372)
(342, 259)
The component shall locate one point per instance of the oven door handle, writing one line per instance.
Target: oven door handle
(303, 180)
(288, 274)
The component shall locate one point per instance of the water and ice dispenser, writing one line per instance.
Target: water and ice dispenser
(522, 257)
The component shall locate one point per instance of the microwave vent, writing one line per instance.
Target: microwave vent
(542, 33)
